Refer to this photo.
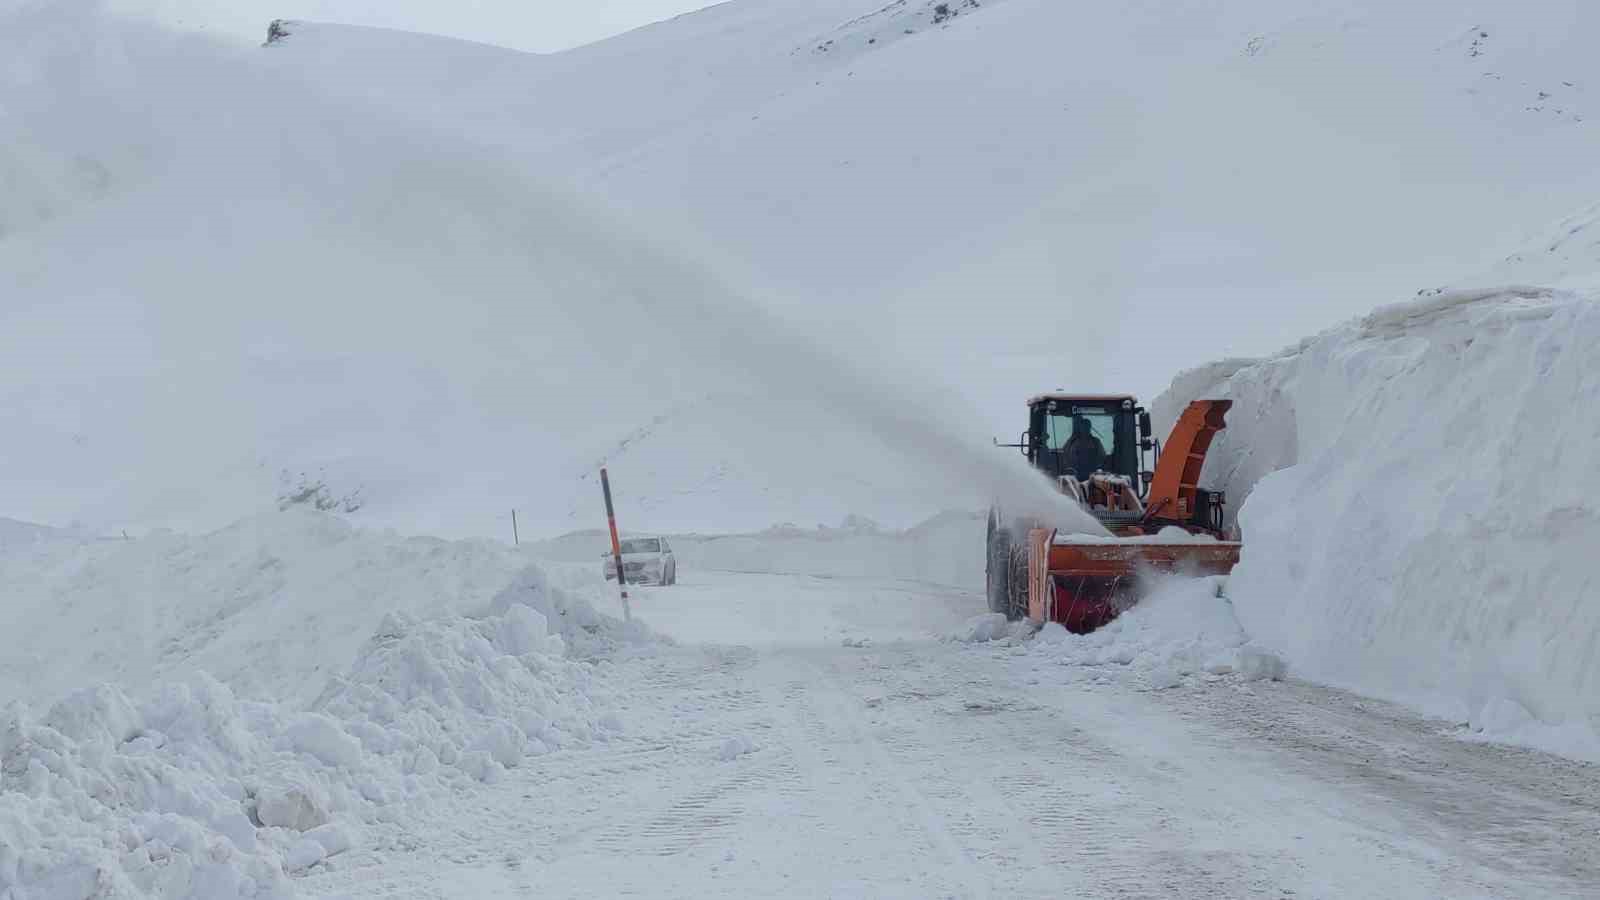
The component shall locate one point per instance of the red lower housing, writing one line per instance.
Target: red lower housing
(1085, 585)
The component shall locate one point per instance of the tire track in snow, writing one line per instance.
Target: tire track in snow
(691, 798)
(1058, 788)
(844, 708)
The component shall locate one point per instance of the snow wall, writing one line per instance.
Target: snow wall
(1420, 507)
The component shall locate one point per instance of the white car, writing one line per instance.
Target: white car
(646, 560)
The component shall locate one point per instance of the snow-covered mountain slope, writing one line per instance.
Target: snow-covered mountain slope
(1030, 161)
(371, 262)
(304, 298)
(1418, 515)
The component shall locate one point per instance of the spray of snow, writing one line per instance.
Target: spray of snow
(494, 290)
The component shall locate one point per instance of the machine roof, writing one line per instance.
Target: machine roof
(1088, 398)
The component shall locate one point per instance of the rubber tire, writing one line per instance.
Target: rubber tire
(1017, 584)
(672, 573)
(997, 573)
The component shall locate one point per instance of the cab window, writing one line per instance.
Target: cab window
(1102, 424)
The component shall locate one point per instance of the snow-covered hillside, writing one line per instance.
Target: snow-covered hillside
(372, 261)
(1026, 160)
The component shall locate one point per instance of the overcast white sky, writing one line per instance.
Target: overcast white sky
(538, 25)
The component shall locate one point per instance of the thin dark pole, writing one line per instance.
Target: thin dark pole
(616, 545)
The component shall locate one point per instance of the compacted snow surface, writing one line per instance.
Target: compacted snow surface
(520, 740)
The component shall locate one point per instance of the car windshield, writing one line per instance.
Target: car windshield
(641, 545)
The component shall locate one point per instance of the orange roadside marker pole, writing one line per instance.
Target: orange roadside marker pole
(616, 545)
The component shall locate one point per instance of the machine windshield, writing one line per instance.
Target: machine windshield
(641, 545)
(1082, 439)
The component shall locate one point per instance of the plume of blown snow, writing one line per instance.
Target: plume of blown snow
(380, 299)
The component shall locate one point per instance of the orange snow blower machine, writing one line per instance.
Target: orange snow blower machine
(1094, 449)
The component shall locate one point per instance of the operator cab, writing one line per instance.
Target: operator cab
(1094, 447)
(1077, 436)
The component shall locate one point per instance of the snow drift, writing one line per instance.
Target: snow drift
(269, 605)
(1419, 516)
(193, 786)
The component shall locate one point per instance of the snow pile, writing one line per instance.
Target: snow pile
(584, 631)
(196, 788)
(270, 605)
(1420, 522)
(1184, 626)
(984, 628)
(196, 793)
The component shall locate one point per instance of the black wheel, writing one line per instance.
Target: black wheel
(672, 573)
(997, 573)
(1017, 585)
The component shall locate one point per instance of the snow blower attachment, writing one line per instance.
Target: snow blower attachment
(1094, 448)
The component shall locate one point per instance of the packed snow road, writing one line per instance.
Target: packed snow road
(814, 737)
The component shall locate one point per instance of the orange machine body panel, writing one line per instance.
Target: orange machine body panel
(1085, 585)
(1177, 476)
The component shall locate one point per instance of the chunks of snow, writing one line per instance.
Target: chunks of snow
(321, 737)
(316, 846)
(986, 627)
(1256, 664)
(1183, 627)
(195, 791)
(298, 807)
(1420, 522)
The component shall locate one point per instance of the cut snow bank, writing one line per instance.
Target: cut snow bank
(196, 791)
(1419, 516)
